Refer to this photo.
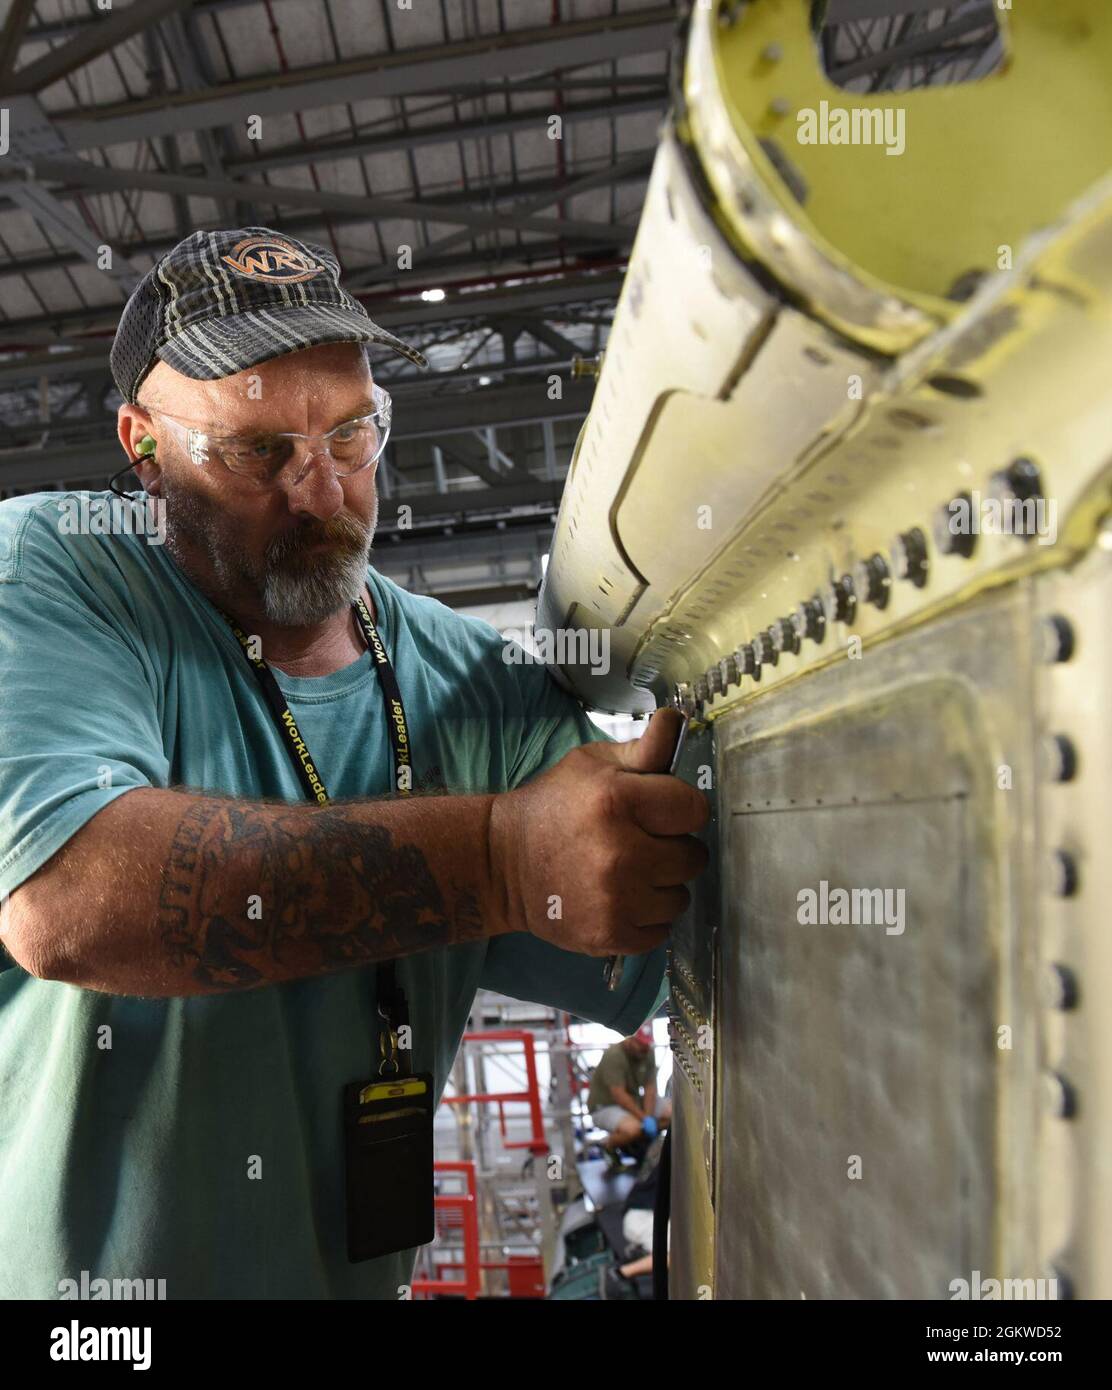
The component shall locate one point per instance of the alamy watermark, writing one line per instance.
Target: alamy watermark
(77, 1343)
(861, 125)
(858, 907)
(562, 646)
(973, 515)
(87, 1286)
(977, 1288)
(83, 515)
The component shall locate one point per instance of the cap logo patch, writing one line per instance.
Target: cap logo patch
(268, 258)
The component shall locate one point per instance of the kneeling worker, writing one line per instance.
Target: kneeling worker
(622, 1098)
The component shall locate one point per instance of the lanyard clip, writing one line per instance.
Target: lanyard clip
(395, 1060)
(388, 1048)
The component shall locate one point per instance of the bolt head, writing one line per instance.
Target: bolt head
(1060, 987)
(872, 581)
(1062, 874)
(1056, 639)
(952, 527)
(1059, 1095)
(909, 556)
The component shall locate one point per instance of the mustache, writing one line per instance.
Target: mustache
(340, 530)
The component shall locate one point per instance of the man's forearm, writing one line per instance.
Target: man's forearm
(172, 893)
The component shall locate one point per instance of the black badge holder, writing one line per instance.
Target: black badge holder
(388, 1144)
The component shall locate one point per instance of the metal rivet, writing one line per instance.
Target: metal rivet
(747, 663)
(784, 636)
(872, 581)
(1060, 987)
(953, 527)
(684, 699)
(1061, 1099)
(909, 556)
(810, 619)
(1062, 874)
(841, 600)
(1059, 758)
(1019, 482)
(765, 649)
(1056, 635)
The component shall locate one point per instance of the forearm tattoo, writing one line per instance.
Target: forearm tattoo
(251, 895)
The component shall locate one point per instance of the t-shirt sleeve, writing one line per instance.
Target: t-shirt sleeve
(523, 966)
(610, 1072)
(551, 725)
(78, 724)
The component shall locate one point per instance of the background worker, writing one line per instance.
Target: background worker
(622, 1098)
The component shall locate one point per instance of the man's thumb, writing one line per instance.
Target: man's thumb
(652, 752)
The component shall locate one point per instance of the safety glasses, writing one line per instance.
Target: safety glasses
(269, 458)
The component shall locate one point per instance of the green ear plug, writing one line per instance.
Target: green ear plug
(145, 446)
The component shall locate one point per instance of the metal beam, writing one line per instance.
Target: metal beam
(82, 174)
(32, 135)
(11, 39)
(444, 133)
(183, 50)
(463, 503)
(90, 43)
(848, 11)
(471, 464)
(632, 167)
(402, 384)
(508, 405)
(548, 336)
(486, 306)
(440, 68)
(914, 48)
(48, 211)
(547, 190)
(501, 258)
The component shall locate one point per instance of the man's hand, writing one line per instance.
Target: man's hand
(593, 855)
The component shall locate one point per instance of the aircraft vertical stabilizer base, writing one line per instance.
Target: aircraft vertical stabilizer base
(844, 496)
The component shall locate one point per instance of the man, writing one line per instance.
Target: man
(622, 1097)
(200, 918)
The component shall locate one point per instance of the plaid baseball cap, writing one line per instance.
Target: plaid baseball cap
(221, 302)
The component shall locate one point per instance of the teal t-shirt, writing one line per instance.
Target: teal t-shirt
(198, 1140)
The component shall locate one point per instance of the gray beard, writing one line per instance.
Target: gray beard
(292, 587)
(303, 599)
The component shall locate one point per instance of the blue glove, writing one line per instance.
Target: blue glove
(649, 1126)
